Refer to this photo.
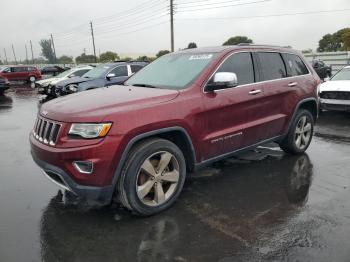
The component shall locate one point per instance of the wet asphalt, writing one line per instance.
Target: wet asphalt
(261, 206)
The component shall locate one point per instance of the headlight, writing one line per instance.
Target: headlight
(90, 130)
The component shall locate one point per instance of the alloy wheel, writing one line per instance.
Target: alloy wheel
(303, 132)
(157, 178)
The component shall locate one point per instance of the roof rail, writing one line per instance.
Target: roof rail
(130, 61)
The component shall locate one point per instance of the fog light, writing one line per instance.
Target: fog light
(84, 167)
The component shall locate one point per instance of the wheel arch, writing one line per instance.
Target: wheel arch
(309, 104)
(178, 135)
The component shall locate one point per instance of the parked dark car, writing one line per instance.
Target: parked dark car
(21, 73)
(53, 70)
(322, 69)
(101, 76)
(135, 143)
(4, 85)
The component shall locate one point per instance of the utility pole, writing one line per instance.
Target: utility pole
(93, 40)
(5, 56)
(31, 48)
(172, 24)
(54, 50)
(14, 54)
(26, 54)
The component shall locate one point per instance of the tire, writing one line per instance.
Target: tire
(135, 182)
(31, 79)
(300, 133)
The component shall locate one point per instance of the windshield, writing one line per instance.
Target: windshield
(97, 72)
(174, 71)
(343, 74)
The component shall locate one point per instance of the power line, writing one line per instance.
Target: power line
(141, 22)
(267, 16)
(196, 4)
(216, 7)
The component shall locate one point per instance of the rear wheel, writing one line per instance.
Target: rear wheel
(300, 133)
(152, 178)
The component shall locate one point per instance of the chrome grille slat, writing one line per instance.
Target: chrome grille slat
(46, 131)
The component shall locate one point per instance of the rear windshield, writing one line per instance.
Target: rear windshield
(174, 71)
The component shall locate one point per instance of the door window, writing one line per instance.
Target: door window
(120, 71)
(81, 72)
(242, 65)
(135, 68)
(295, 66)
(272, 66)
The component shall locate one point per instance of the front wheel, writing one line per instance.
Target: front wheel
(32, 79)
(152, 178)
(300, 133)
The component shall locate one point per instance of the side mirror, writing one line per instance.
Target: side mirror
(110, 75)
(222, 80)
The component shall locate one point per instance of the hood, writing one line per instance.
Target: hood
(94, 105)
(335, 86)
(47, 81)
(74, 80)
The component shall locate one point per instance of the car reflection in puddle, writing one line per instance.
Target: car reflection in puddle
(239, 205)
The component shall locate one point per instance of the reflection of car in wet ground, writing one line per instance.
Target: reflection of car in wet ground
(101, 76)
(4, 85)
(47, 86)
(135, 143)
(322, 69)
(240, 205)
(335, 93)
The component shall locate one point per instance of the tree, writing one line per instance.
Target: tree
(40, 60)
(192, 45)
(85, 59)
(65, 59)
(1, 62)
(145, 58)
(109, 56)
(238, 40)
(126, 58)
(346, 39)
(47, 51)
(333, 42)
(162, 52)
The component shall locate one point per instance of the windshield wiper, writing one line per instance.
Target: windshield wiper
(145, 85)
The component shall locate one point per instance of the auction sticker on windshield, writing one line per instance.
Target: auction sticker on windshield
(200, 57)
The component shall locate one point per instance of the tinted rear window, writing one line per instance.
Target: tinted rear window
(242, 65)
(272, 66)
(295, 66)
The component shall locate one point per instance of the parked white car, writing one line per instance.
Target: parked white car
(78, 71)
(335, 93)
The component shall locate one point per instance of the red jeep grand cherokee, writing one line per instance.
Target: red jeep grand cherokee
(21, 73)
(135, 143)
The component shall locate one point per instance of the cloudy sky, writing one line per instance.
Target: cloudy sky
(142, 26)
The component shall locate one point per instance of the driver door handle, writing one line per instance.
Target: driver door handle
(293, 84)
(255, 92)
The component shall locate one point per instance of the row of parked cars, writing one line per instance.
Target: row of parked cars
(84, 78)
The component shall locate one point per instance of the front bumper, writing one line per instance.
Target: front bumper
(57, 164)
(336, 105)
(61, 178)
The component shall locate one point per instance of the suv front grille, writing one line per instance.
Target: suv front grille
(338, 95)
(46, 131)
